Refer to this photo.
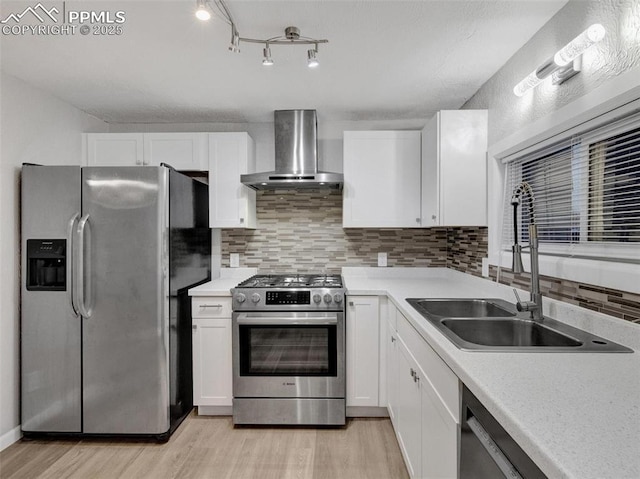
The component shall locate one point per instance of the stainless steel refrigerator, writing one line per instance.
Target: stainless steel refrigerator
(108, 255)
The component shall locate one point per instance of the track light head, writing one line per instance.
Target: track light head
(267, 60)
(202, 12)
(312, 59)
(234, 46)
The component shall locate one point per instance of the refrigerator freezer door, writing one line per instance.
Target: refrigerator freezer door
(125, 338)
(50, 329)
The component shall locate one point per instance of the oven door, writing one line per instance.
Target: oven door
(289, 355)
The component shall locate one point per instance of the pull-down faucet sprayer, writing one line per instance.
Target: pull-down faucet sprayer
(534, 305)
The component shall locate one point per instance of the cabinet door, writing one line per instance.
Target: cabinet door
(391, 372)
(431, 173)
(183, 151)
(232, 204)
(439, 436)
(381, 179)
(409, 427)
(362, 329)
(212, 367)
(454, 169)
(115, 149)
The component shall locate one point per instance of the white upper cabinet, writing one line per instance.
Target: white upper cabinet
(182, 151)
(454, 169)
(232, 204)
(381, 179)
(115, 149)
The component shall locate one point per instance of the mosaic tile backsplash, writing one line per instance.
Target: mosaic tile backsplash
(301, 231)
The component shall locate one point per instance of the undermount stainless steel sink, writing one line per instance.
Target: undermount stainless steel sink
(465, 308)
(507, 332)
(495, 325)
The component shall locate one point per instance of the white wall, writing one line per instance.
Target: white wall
(610, 77)
(37, 128)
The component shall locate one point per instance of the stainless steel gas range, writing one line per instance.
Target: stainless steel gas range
(289, 350)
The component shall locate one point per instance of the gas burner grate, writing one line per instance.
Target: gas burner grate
(293, 281)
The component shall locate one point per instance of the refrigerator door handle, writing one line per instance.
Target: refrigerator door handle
(71, 248)
(84, 269)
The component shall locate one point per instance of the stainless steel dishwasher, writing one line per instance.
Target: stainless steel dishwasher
(486, 450)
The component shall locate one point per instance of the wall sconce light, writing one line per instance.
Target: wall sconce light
(291, 34)
(566, 63)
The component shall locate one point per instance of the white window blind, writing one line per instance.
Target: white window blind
(587, 193)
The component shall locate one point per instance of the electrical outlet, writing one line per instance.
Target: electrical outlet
(234, 260)
(485, 267)
(382, 259)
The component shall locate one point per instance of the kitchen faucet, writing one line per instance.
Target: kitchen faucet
(534, 305)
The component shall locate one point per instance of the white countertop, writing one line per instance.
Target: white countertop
(229, 278)
(577, 415)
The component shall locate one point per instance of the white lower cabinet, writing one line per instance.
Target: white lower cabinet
(408, 412)
(423, 403)
(212, 358)
(363, 349)
(439, 437)
(391, 367)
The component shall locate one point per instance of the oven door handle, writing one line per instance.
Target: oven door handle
(246, 319)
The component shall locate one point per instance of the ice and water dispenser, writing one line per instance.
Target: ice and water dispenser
(46, 265)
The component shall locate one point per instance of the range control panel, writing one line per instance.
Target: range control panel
(288, 297)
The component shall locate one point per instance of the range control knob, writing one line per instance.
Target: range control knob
(337, 298)
(255, 297)
(317, 298)
(327, 298)
(240, 298)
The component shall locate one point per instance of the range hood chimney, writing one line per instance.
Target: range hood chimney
(296, 140)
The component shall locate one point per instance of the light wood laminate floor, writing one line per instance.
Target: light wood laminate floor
(210, 447)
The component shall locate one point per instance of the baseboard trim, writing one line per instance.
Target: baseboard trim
(215, 410)
(367, 411)
(10, 437)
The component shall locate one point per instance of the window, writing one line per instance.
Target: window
(587, 193)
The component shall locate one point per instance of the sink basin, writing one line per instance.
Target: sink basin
(465, 308)
(507, 332)
(478, 324)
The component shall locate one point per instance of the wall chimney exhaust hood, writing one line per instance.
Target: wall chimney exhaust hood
(296, 142)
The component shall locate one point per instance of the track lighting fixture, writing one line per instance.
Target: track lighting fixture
(566, 63)
(291, 34)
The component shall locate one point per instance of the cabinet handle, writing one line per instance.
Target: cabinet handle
(194, 327)
(418, 220)
(413, 373)
(241, 220)
(416, 378)
(393, 339)
(350, 303)
(433, 217)
(211, 306)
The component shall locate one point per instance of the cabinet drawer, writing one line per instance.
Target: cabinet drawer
(443, 381)
(211, 307)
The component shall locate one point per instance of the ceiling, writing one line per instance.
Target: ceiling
(385, 60)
